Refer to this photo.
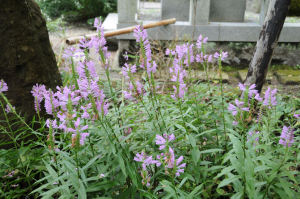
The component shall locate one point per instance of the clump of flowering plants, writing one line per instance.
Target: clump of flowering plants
(189, 140)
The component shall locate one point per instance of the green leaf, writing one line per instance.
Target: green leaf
(81, 191)
(122, 165)
(237, 195)
(237, 147)
(211, 151)
(196, 192)
(195, 155)
(192, 140)
(180, 127)
(228, 181)
(192, 127)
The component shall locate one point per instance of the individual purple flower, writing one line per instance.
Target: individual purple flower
(51, 124)
(161, 140)
(239, 106)
(235, 123)
(168, 52)
(38, 92)
(97, 24)
(201, 41)
(9, 109)
(287, 136)
(69, 53)
(200, 58)
(233, 109)
(146, 160)
(139, 157)
(258, 98)
(170, 158)
(270, 98)
(209, 58)
(51, 103)
(92, 70)
(179, 167)
(84, 44)
(3, 86)
(146, 57)
(128, 95)
(251, 90)
(128, 69)
(85, 109)
(171, 162)
(81, 139)
(297, 116)
(139, 87)
(102, 106)
(222, 55)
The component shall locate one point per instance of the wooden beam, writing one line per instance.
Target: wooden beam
(75, 40)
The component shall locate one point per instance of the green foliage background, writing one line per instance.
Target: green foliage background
(295, 8)
(77, 9)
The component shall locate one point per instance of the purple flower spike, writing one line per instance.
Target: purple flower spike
(287, 136)
(171, 158)
(270, 98)
(82, 137)
(180, 166)
(139, 157)
(3, 86)
(232, 109)
(161, 140)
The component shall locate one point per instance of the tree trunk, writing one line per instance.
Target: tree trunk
(26, 56)
(267, 42)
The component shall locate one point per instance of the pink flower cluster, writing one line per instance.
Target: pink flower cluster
(287, 136)
(141, 37)
(76, 105)
(167, 159)
(270, 98)
(240, 106)
(136, 88)
(185, 55)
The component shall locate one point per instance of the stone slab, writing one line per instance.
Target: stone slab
(127, 10)
(178, 9)
(288, 77)
(199, 11)
(239, 32)
(227, 10)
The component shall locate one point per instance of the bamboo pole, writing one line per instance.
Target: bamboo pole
(75, 40)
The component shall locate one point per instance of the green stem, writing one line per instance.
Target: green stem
(276, 171)
(223, 109)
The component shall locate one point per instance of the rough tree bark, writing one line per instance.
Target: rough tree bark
(267, 42)
(26, 56)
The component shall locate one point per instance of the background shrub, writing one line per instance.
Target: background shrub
(77, 9)
(295, 8)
